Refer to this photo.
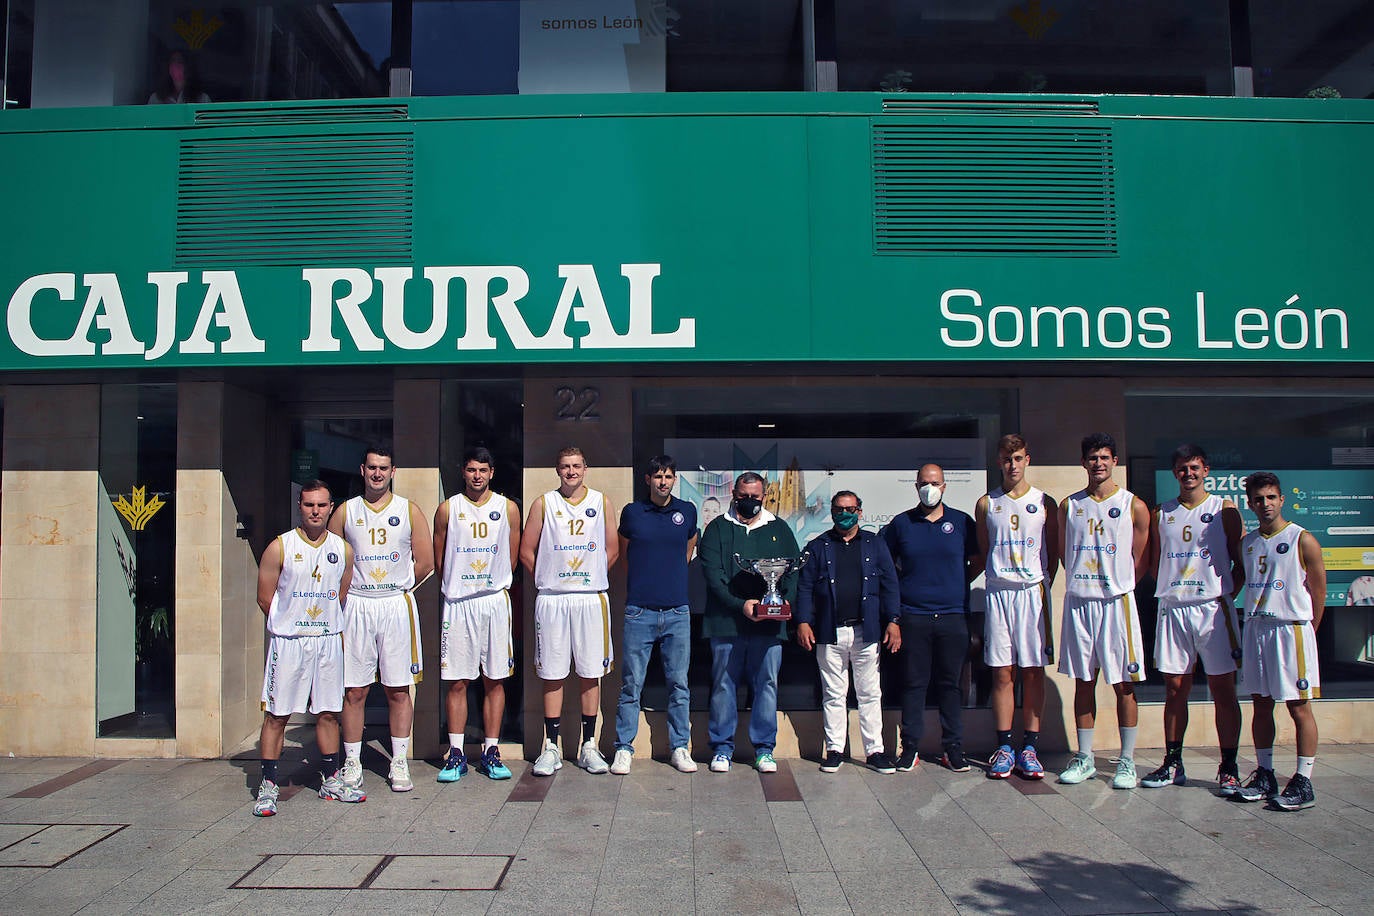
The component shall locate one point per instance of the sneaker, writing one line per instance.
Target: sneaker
(266, 805)
(549, 760)
(590, 759)
(1002, 763)
(399, 777)
(1261, 785)
(620, 766)
(1170, 773)
(1028, 764)
(908, 760)
(334, 788)
(1125, 777)
(1228, 783)
(352, 773)
(1080, 769)
(720, 763)
(882, 762)
(1298, 794)
(832, 762)
(490, 765)
(455, 765)
(682, 760)
(954, 758)
(765, 763)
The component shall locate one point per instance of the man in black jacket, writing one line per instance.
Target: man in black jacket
(847, 595)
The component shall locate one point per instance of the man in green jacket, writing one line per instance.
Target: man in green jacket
(744, 648)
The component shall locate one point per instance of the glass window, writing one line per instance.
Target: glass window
(1169, 47)
(16, 41)
(136, 562)
(1322, 447)
(1314, 47)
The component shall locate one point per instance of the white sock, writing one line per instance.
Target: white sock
(1305, 765)
(455, 740)
(1085, 742)
(399, 746)
(1128, 742)
(488, 744)
(353, 750)
(1264, 756)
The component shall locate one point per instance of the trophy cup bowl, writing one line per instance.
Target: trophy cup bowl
(773, 606)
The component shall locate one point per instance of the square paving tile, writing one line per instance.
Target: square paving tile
(311, 871)
(442, 873)
(53, 844)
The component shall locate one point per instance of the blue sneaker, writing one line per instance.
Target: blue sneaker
(1028, 764)
(455, 765)
(490, 765)
(999, 767)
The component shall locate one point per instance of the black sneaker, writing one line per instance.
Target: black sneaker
(1228, 782)
(832, 761)
(954, 758)
(1170, 773)
(1298, 794)
(1261, 785)
(882, 762)
(907, 760)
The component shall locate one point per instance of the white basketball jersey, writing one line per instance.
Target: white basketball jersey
(572, 545)
(1275, 580)
(477, 548)
(380, 538)
(1193, 562)
(1097, 545)
(1016, 538)
(307, 599)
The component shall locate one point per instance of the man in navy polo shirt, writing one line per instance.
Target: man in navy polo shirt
(936, 551)
(658, 535)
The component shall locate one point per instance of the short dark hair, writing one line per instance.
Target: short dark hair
(660, 463)
(480, 454)
(1010, 444)
(1187, 452)
(846, 493)
(317, 484)
(1095, 441)
(1259, 480)
(380, 449)
(750, 477)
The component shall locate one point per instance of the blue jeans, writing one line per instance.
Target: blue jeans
(733, 660)
(671, 628)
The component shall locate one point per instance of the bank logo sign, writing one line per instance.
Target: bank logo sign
(137, 509)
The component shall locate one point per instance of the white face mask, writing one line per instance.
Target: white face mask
(930, 495)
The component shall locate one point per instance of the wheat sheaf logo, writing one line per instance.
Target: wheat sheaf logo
(314, 611)
(478, 566)
(138, 510)
(576, 563)
(1034, 19)
(197, 31)
(377, 575)
(1091, 566)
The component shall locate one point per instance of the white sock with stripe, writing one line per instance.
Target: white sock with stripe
(353, 750)
(399, 746)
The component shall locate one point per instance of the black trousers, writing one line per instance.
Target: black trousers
(934, 647)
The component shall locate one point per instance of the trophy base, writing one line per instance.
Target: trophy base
(773, 611)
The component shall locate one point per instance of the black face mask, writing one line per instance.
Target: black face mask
(748, 506)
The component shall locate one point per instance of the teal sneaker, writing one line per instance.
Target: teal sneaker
(455, 766)
(1080, 769)
(765, 763)
(1125, 777)
(490, 765)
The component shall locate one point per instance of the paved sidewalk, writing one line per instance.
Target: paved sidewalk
(176, 836)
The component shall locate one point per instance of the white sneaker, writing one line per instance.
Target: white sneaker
(620, 766)
(720, 764)
(352, 773)
(400, 775)
(590, 759)
(682, 759)
(549, 760)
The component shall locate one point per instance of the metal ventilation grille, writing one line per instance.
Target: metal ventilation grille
(1018, 108)
(219, 116)
(994, 189)
(295, 200)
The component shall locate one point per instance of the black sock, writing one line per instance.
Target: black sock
(551, 728)
(1173, 750)
(1004, 737)
(329, 764)
(1029, 738)
(588, 728)
(269, 770)
(1228, 759)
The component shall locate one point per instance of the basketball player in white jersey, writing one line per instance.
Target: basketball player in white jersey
(1195, 552)
(476, 547)
(303, 583)
(565, 546)
(1104, 531)
(1018, 531)
(392, 552)
(1285, 597)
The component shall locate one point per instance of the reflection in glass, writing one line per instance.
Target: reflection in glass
(1315, 48)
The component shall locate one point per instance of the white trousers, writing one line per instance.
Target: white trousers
(834, 662)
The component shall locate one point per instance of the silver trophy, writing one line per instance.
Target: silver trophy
(772, 569)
